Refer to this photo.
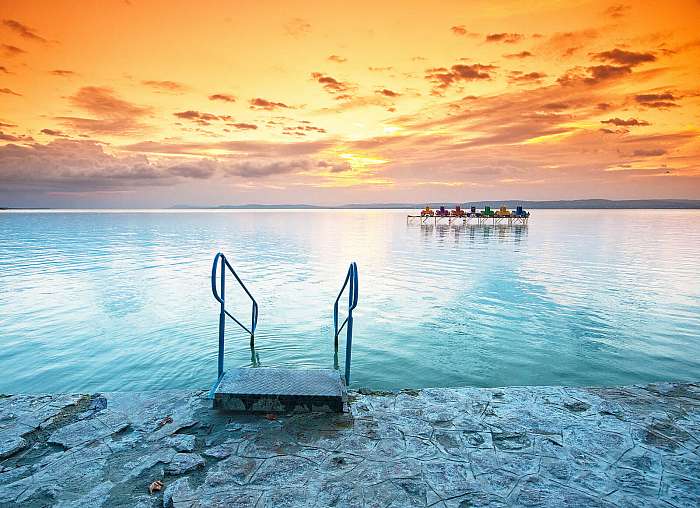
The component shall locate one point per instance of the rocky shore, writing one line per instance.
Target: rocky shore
(516, 446)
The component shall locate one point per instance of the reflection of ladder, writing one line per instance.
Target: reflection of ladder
(280, 390)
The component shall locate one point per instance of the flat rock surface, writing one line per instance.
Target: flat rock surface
(517, 446)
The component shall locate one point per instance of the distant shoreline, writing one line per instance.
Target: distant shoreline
(575, 204)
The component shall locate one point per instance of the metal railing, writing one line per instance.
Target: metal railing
(351, 279)
(223, 313)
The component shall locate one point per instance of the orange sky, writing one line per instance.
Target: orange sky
(155, 103)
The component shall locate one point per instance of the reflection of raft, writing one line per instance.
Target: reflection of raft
(485, 217)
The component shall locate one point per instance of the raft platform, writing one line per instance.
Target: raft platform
(467, 221)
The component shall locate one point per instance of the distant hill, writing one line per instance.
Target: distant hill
(511, 203)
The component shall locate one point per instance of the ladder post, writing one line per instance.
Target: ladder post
(348, 351)
(222, 319)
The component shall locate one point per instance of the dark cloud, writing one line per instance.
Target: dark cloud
(657, 100)
(264, 168)
(201, 169)
(653, 152)
(104, 102)
(625, 123)
(621, 57)
(15, 138)
(388, 93)
(3, 124)
(508, 38)
(337, 59)
(461, 30)
(530, 77)
(9, 50)
(62, 72)
(594, 75)
(222, 97)
(555, 106)
(243, 126)
(52, 132)
(332, 85)
(302, 130)
(264, 104)
(165, 86)
(4, 69)
(380, 69)
(114, 115)
(617, 11)
(77, 166)
(9, 92)
(442, 77)
(23, 30)
(197, 116)
(521, 55)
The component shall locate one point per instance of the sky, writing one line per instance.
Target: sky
(158, 103)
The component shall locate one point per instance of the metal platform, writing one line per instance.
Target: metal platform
(280, 390)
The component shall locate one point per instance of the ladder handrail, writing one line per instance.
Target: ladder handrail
(352, 279)
(223, 312)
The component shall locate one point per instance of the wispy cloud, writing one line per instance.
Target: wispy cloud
(23, 30)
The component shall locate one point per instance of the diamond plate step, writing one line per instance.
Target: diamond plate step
(254, 390)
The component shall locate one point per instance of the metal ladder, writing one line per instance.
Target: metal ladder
(351, 282)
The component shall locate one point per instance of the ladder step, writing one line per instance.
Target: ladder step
(256, 390)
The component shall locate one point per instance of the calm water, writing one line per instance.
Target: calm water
(117, 301)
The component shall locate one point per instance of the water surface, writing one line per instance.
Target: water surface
(122, 300)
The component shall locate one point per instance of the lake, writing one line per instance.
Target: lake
(121, 300)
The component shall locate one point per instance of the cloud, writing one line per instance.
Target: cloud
(201, 169)
(256, 169)
(9, 92)
(302, 130)
(617, 11)
(530, 77)
(254, 149)
(621, 57)
(297, 27)
(657, 100)
(653, 152)
(332, 85)
(222, 97)
(62, 72)
(3, 69)
(462, 31)
(443, 78)
(9, 50)
(114, 115)
(388, 93)
(202, 118)
(243, 126)
(380, 69)
(337, 59)
(594, 75)
(508, 38)
(521, 55)
(555, 106)
(12, 137)
(266, 105)
(23, 30)
(52, 132)
(165, 86)
(625, 123)
(81, 165)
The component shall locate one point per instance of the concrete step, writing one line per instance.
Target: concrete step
(265, 390)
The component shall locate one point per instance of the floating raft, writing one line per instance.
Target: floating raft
(485, 217)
